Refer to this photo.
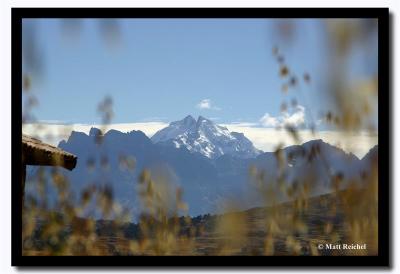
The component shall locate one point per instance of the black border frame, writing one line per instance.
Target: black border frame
(384, 141)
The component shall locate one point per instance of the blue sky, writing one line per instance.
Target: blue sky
(162, 69)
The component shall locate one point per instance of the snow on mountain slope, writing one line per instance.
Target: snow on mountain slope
(205, 137)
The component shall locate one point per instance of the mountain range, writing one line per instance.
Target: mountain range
(210, 163)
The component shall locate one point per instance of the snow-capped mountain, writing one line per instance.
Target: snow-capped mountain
(205, 137)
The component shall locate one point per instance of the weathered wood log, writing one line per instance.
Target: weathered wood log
(37, 153)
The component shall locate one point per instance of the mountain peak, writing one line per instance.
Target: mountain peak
(95, 132)
(201, 118)
(189, 119)
(205, 137)
(186, 122)
(204, 121)
(371, 154)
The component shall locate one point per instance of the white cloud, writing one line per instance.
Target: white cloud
(269, 121)
(204, 104)
(245, 124)
(207, 104)
(294, 119)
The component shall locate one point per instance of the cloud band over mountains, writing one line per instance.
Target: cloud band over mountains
(266, 139)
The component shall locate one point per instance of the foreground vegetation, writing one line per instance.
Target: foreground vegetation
(292, 228)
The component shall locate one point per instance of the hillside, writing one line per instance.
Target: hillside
(291, 230)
